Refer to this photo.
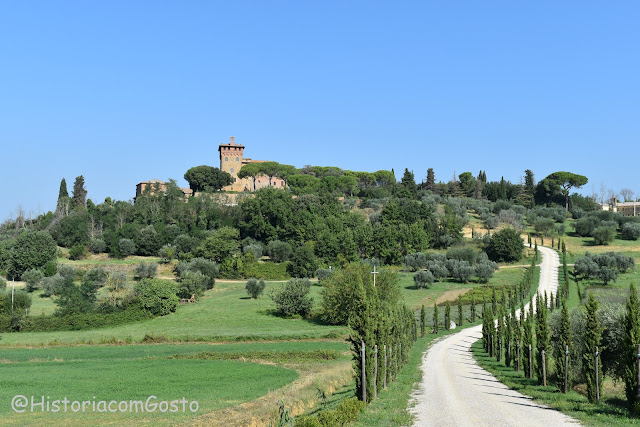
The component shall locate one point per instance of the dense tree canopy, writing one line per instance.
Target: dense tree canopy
(207, 178)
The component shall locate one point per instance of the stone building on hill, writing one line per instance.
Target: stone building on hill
(231, 161)
(158, 185)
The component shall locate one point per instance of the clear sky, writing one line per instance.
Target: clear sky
(126, 91)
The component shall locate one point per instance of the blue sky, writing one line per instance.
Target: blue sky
(123, 91)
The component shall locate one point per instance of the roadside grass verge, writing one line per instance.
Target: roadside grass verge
(611, 410)
(391, 406)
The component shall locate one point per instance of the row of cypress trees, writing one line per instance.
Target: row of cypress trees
(514, 336)
(386, 327)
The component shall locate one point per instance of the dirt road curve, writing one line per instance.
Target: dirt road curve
(455, 391)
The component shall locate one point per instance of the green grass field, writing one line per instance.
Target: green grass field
(172, 352)
(168, 371)
(214, 384)
(225, 313)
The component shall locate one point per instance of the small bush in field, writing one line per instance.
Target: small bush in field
(293, 298)
(255, 287)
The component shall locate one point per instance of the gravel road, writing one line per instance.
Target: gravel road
(455, 391)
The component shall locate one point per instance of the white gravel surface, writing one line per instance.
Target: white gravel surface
(455, 391)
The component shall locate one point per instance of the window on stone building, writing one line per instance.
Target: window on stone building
(231, 170)
(237, 159)
(226, 159)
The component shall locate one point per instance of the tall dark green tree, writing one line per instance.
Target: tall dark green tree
(431, 180)
(631, 341)
(62, 207)
(447, 316)
(460, 311)
(592, 338)
(408, 188)
(435, 318)
(473, 308)
(527, 340)
(565, 340)
(79, 193)
(508, 339)
(542, 337)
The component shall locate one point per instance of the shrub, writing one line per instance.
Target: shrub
(586, 225)
(67, 271)
(96, 276)
(127, 247)
(3, 284)
(345, 413)
(423, 279)
(544, 225)
(279, 251)
(266, 270)
(97, 246)
(50, 269)
(463, 254)
(51, 285)
(303, 263)
(255, 287)
(438, 269)
(505, 245)
(185, 243)
(323, 274)
(485, 268)
(603, 266)
(255, 249)
(460, 270)
(604, 235)
(631, 231)
(32, 278)
(207, 267)
(167, 252)
(292, 298)
(158, 297)
(79, 321)
(21, 302)
(146, 270)
(78, 252)
(415, 261)
(32, 249)
(192, 284)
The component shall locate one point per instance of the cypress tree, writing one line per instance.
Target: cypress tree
(508, 334)
(423, 320)
(447, 316)
(527, 339)
(490, 328)
(631, 341)
(473, 308)
(499, 333)
(63, 198)
(565, 339)
(431, 180)
(79, 193)
(592, 337)
(460, 313)
(542, 337)
(435, 318)
(494, 300)
(517, 337)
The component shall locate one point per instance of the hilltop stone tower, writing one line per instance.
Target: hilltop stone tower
(231, 160)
